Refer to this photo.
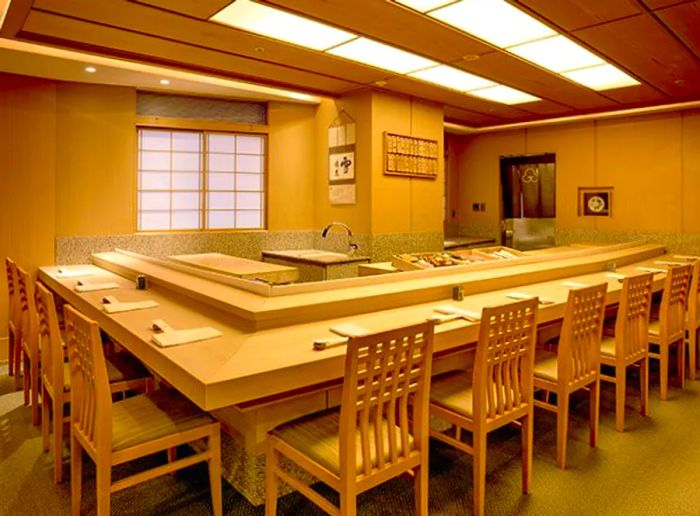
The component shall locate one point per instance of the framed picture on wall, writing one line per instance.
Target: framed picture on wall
(595, 201)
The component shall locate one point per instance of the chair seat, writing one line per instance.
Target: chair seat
(147, 417)
(317, 436)
(120, 368)
(546, 365)
(607, 346)
(454, 391)
(655, 328)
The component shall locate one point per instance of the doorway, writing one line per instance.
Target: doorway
(528, 207)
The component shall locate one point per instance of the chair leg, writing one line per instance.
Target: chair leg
(215, 471)
(692, 353)
(45, 419)
(104, 482)
(594, 408)
(644, 386)
(26, 377)
(479, 482)
(76, 475)
(420, 489)
(663, 366)
(34, 391)
(348, 502)
(271, 481)
(58, 441)
(526, 437)
(562, 427)
(620, 392)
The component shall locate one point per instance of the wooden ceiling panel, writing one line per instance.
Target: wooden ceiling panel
(392, 23)
(659, 4)
(576, 14)
(202, 9)
(518, 74)
(41, 26)
(204, 34)
(637, 95)
(642, 45)
(684, 21)
(470, 118)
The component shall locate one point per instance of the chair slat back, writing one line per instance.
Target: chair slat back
(503, 366)
(674, 302)
(11, 269)
(49, 338)
(382, 372)
(91, 403)
(25, 295)
(579, 345)
(632, 324)
(694, 296)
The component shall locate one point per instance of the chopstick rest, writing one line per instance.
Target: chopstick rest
(521, 295)
(321, 344)
(167, 336)
(112, 305)
(73, 273)
(86, 286)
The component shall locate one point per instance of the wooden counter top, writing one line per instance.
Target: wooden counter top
(247, 363)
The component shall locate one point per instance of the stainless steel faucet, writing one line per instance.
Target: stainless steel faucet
(352, 247)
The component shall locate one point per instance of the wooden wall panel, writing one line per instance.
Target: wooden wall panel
(291, 166)
(691, 171)
(28, 177)
(95, 160)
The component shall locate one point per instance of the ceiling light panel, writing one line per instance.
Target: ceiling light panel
(425, 5)
(504, 95)
(452, 78)
(382, 56)
(495, 21)
(281, 25)
(603, 77)
(558, 54)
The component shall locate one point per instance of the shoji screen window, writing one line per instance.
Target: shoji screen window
(193, 180)
(235, 181)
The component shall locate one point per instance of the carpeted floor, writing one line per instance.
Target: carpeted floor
(653, 468)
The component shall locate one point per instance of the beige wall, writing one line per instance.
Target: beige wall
(653, 162)
(27, 176)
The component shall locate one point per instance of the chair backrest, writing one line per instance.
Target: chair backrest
(49, 338)
(503, 366)
(91, 402)
(632, 324)
(694, 296)
(578, 353)
(12, 306)
(674, 302)
(382, 372)
(25, 298)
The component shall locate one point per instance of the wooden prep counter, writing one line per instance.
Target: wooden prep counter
(240, 267)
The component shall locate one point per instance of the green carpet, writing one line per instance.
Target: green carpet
(652, 468)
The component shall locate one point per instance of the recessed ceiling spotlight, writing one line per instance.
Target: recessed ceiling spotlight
(470, 57)
(90, 69)
(259, 49)
(165, 82)
(380, 83)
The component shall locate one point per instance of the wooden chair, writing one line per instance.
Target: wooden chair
(371, 438)
(13, 319)
(692, 324)
(629, 344)
(669, 329)
(115, 433)
(125, 373)
(29, 342)
(500, 390)
(576, 364)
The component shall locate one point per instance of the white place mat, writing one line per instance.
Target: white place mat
(114, 308)
(615, 275)
(655, 270)
(349, 330)
(469, 315)
(521, 296)
(177, 337)
(91, 287)
(73, 273)
(574, 284)
(668, 262)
